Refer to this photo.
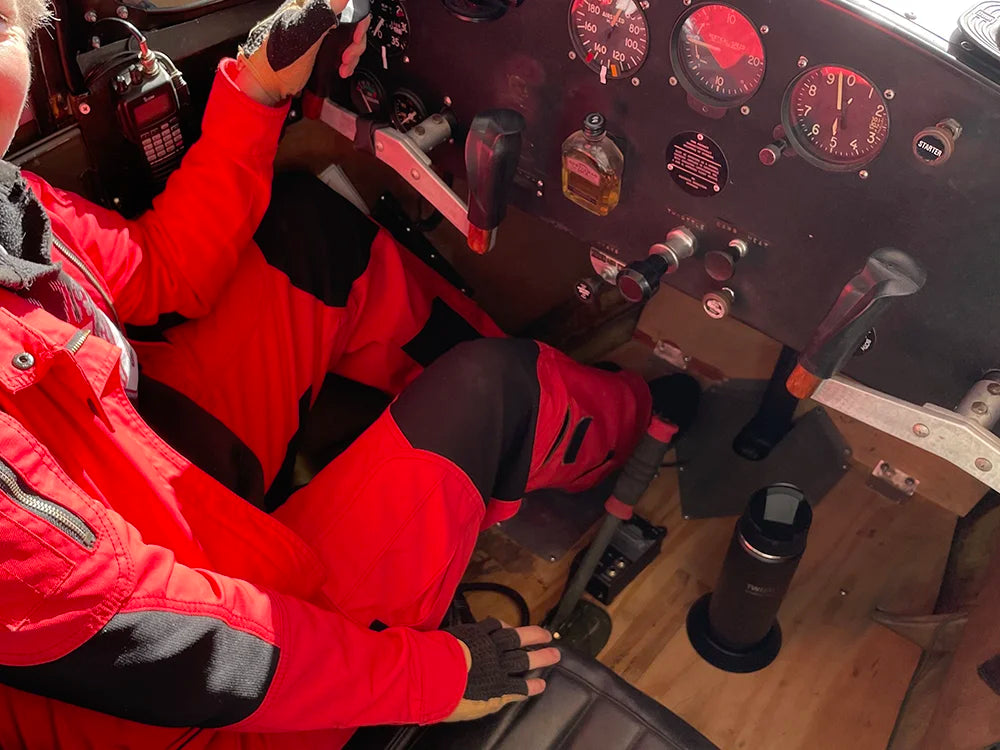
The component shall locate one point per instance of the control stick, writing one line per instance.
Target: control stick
(887, 274)
(492, 150)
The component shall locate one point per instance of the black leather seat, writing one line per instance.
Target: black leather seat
(585, 707)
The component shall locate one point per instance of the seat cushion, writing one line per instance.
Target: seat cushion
(586, 706)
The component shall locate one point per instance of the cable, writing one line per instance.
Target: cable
(497, 588)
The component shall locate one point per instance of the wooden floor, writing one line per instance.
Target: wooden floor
(839, 679)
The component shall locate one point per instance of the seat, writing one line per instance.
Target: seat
(586, 706)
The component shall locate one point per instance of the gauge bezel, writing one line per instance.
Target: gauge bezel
(581, 53)
(683, 75)
(367, 74)
(804, 148)
(414, 98)
(392, 52)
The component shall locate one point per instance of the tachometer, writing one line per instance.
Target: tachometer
(835, 118)
(611, 36)
(717, 54)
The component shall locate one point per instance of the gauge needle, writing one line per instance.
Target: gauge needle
(706, 45)
(840, 103)
(377, 31)
(614, 24)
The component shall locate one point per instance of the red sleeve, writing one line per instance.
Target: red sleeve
(178, 255)
(95, 617)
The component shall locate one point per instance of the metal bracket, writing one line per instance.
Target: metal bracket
(408, 158)
(959, 440)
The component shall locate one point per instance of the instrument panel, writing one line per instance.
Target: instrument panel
(812, 133)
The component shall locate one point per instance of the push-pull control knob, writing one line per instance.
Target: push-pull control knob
(721, 264)
(770, 154)
(587, 289)
(640, 279)
(935, 145)
(717, 304)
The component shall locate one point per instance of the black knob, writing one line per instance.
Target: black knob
(640, 279)
(120, 83)
(721, 264)
(587, 289)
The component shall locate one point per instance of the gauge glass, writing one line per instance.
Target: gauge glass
(367, 93)
(718, 55)
(407, 110)
(611, 36)
(835, 117)
(389, 29)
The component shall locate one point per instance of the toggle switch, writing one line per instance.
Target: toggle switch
(640, 279)
(717, 304)
(721, 264)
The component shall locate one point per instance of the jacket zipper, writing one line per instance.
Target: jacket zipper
(72, 258)
(63, 519)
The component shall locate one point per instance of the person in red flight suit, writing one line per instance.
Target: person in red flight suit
(150, 602)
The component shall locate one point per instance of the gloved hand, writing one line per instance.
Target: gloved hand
(280, 51)
(495, 656)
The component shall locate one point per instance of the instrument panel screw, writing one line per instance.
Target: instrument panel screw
(447, 101)
(572, 55)
(863, 174)
(84, 109)
(552, 558)
(406, 59)
(122, 12)
(744, 110)
(921, 430)
(994, 389)
(90, 16)
(890, 94)
(414, 174)
(539, 193)
(843, 592)
(803, 61)
(687, 2)
(966, 45)
(635, 81)
(910, 15)
(380, 147)
(984, 464)
(764, 29)
(979, 408)
(95, 42)
(540, 183)
(672, 80)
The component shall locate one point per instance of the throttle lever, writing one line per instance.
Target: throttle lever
(492, 150)
(326, 71)
(887, 274)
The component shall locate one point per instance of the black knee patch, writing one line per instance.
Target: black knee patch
(319, 239)
(477, 406)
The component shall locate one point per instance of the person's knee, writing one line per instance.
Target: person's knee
(318, 238)
(477, 405)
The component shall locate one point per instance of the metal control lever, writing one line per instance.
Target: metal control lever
(888, 274)
(492, 150)
(495, 143)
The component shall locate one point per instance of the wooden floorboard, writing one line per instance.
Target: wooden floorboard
(839, 680)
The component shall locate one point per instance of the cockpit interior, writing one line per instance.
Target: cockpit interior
(793, 204)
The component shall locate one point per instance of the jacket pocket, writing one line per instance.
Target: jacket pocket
(31, 570)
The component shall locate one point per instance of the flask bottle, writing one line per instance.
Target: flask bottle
(736, 625)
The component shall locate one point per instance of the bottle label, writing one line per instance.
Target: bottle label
(584, 170)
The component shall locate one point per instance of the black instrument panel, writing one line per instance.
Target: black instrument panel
(809, 228)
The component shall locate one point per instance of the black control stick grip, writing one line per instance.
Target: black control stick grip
(326, 70)
(888, 274)
(492, 150)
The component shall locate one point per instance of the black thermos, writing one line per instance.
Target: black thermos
(736, 626)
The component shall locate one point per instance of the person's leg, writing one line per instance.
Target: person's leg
(323, 290)
(395, 517)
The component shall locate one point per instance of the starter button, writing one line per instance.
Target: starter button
(935, 145)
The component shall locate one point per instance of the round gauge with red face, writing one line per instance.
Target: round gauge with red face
(611, 36)
(835, 118)
(717, 54)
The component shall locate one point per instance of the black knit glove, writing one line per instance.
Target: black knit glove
(497, 658)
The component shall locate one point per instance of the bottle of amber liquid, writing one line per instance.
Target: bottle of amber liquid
(592, 167)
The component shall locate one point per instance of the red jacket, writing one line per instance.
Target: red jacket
(125, 568)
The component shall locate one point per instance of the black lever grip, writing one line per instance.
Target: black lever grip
(326, 70)
(888, 274)
(492, 150)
